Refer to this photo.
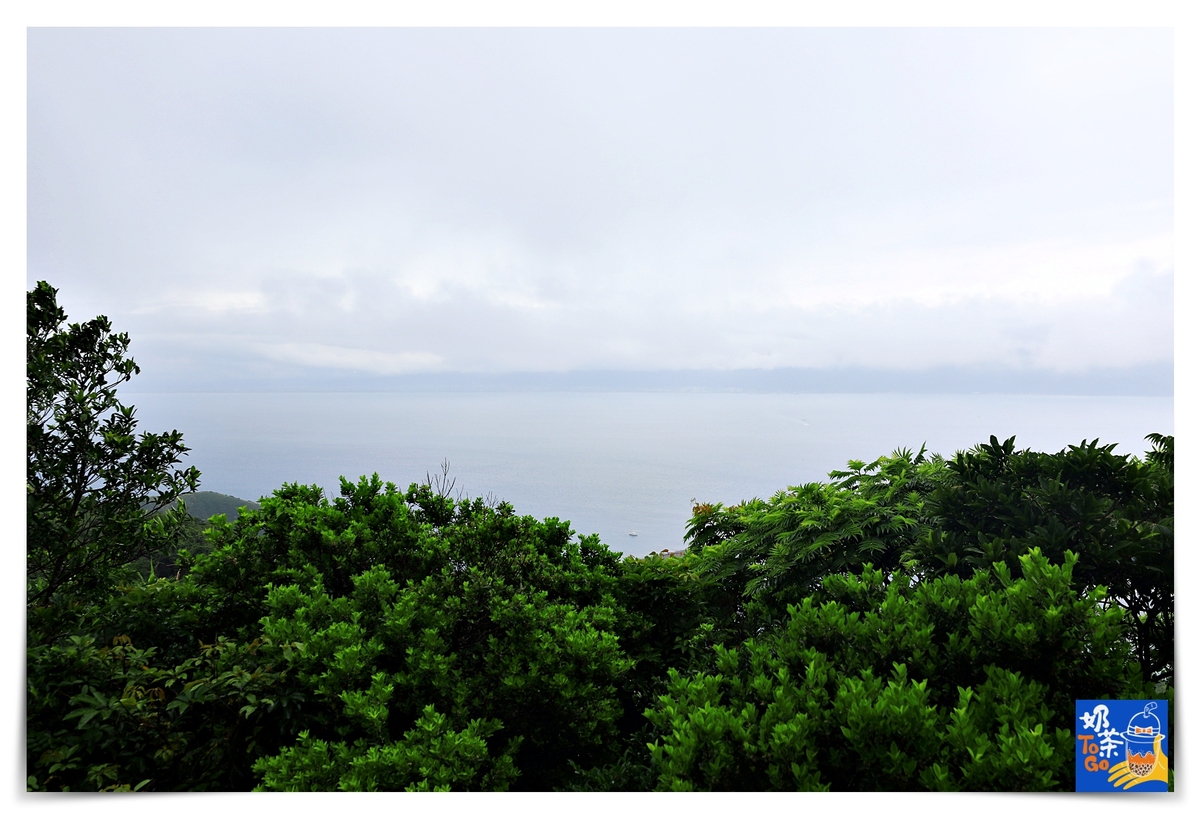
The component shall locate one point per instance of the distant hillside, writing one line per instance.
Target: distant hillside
(200, 506)
(204, 504)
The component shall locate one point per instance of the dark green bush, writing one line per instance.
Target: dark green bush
(878, 685)
(1115, 512)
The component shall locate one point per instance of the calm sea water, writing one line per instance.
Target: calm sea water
(611, 463)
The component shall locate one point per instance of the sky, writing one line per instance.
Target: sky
(269, 203)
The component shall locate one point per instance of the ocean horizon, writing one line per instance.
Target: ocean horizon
(1147, 379)
(613, 463)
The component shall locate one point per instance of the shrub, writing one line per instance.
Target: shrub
(894, 685)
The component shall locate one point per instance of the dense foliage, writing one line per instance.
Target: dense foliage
(930, 517)
(93, 485)
(1115, 512)
(915, 623)
(874, 685)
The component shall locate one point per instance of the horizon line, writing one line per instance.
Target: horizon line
(1145, 380)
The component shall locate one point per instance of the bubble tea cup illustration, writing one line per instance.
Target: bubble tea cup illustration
(1145, 759)
(1140, 746)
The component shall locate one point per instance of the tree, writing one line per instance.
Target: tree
(778, 551)
(1115, 511)
(97, 493)
(933, 517)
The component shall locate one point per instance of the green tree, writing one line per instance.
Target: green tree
(936, 517)
(778, 551)
(95, 488)
(1116, 512)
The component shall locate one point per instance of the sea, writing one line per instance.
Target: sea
(625, 465)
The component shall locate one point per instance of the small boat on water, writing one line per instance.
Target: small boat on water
(632, 533)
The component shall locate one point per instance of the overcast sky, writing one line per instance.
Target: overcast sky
(385, 201)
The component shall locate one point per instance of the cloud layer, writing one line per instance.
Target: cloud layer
(391, 201)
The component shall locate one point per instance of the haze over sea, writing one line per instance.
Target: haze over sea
(604, 271)
(610, 462)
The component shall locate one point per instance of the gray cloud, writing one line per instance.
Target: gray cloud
(385, 201)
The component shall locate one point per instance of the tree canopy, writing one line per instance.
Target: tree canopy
(94, 488)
